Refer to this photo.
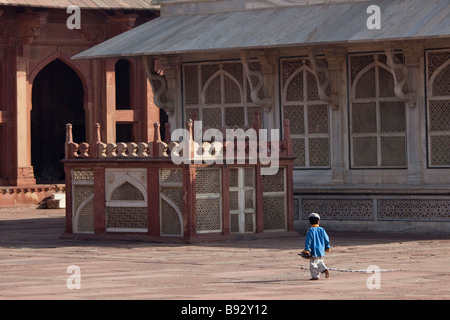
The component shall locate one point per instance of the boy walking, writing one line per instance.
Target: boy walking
(317, 243)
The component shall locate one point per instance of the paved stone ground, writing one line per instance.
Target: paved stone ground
(34, 262)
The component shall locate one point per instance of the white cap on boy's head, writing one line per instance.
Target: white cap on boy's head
(314, 215)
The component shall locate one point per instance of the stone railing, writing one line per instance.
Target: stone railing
(249, 140)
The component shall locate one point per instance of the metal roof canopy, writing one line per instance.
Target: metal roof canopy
(278, 27)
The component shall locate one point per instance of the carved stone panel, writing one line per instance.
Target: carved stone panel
(126, 200)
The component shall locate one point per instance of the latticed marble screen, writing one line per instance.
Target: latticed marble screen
(438, 107)
(242, 200)
(208, 200)
(339, 209)
(377, 116)
(423, 210)
(308, 115)
(218, 93)
(127, 218)
(377, 209)
(126, 200)
(274, 201)
(171, 200)
(83, 201)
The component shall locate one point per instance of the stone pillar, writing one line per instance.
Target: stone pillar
(28, 29)
(269, 71)
(110, 105)
(95, 101)
(69, 200)
(289, 195)
(337, 70)
(189, 201)
(153, 215)
(225, 200)
(259, 213)
(24, 169)
(99, 201)
(7, 116)
(414, 109)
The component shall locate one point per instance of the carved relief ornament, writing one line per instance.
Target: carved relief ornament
(400, 72)
(255, 88)
(30, 24)
(159, 85)
(323, 82)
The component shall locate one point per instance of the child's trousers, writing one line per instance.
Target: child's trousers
(317, 266)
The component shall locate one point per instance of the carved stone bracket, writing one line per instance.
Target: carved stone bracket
(158, 83)
(29, 29)
(323, 82)
(400, 73)
(30, 24)
(266, 102)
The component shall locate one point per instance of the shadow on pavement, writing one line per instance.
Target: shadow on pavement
(45, 232)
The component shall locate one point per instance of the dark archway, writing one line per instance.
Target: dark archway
(57, 99)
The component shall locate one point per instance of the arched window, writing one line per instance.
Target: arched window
(218, 94)
(308, 115)
(438, 107)
(377, 116)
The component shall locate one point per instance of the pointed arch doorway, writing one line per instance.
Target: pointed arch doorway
(57, 99)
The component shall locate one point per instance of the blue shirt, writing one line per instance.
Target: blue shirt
(317, 241)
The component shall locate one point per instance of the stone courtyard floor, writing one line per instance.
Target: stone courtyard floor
(34, 263)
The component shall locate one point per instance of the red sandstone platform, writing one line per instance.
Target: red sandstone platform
(34, 261)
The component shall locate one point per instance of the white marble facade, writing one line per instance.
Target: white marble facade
(380, 145)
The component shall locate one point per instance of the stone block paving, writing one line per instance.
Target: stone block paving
(34, 261)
